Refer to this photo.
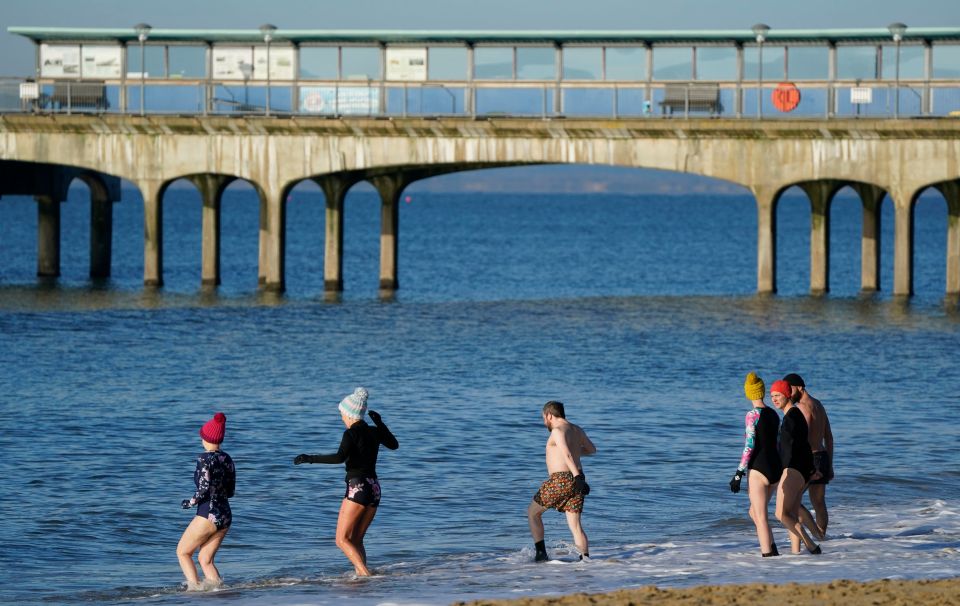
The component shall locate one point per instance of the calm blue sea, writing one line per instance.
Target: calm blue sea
(637, 311)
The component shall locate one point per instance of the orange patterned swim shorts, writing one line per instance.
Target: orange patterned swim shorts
(557, 493)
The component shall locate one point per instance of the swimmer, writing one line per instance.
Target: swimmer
(821, 443)
(215, 478)
(761, 459)
(797, 460)
(566, 487)
(359, 448)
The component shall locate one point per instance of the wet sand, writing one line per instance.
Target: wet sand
(848, 593)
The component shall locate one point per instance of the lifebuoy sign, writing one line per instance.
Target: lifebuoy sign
(786, 97)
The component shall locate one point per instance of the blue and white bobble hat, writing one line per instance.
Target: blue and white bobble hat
(355, 405)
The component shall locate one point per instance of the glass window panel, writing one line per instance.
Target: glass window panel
(911, 62)
(772, 62)
(857, 62)
(946, 61)
(318, 62)
(188, 62)
(808, 63)
(493, 63)
(446, 63)
(672, 63)
(582, 63)
(626, 63)
(716, 63)
(536, 63)
(361, 63)
(152, 61)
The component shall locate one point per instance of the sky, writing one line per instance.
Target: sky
(17, 54)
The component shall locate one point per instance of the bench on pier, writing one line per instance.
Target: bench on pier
(698, 97)
(79, 95)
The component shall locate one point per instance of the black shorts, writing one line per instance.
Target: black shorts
(363, 491)
(821, 462)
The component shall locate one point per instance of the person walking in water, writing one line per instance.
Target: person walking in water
(359, 448)
(762, 460)
(215, 478)
(797, 460)
(821, 443)
(566, 487)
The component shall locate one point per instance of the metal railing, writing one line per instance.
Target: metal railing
(479, 99)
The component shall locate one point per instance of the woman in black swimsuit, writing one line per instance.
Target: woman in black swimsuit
(359, 448)
(760, 457)
(797, 460)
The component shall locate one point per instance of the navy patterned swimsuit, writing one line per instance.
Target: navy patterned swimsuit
(216, 479)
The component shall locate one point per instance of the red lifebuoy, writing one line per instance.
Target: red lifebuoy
(786, 97)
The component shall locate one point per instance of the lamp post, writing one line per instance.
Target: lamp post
(897, 30)
(760, 31)
(267, 30)
(143, 31)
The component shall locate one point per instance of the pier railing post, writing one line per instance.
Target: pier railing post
(870, 198)
(48, 236)
(766, 239)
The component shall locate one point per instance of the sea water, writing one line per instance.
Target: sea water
(638, 312)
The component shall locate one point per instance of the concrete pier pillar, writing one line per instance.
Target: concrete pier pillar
(951, 191)
(211, 192)
(821, 195)
(870, 198)
(766, 239)
(335, 191)
(48, 236)
(389, 187)
(152, 232)
(101, 236)
(273, 219)
(903, 203)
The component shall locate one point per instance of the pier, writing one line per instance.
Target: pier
(294, 130)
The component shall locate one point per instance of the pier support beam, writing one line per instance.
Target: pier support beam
(389, 187)
(951, 191)
(273, 224)
(821, 195)
(335, 191)
(152, 232)
(903, 203)
(766, 239)
(101, 232)
(48, 236)
(211, 193)
(870, 198)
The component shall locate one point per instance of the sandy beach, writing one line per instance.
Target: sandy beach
(849, 593)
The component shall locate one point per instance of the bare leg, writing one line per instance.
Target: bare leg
(361, 531)
(579, 536)
(760, 492)
(211, 576)
(350, 515)
(806, 518)
(818, 498)
(197, 533)
(788, 509)
(535, 519)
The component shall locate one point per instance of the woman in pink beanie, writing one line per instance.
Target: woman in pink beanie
(215, 478)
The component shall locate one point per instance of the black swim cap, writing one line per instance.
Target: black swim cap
(794, 380)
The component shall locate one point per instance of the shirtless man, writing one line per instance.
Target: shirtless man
(821, 443)
(566, 488)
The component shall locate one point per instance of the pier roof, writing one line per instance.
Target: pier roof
(347, 36)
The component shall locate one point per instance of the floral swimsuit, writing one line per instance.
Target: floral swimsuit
(216, 479)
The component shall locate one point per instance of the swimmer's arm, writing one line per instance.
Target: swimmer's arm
(383, 432)
(786, 441)
(751, 421)
(828, 436)
(563, 448)
(203, 483)
(586, 446)
(337, 457)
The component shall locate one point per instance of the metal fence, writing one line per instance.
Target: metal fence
(543, 99)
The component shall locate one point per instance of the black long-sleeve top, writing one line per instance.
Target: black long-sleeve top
(793, 445)
(359, 448)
